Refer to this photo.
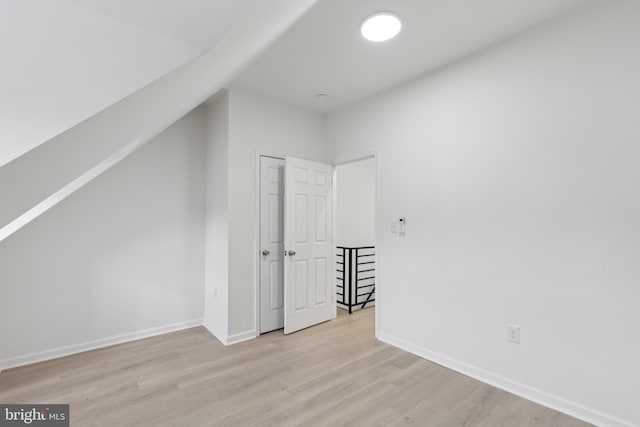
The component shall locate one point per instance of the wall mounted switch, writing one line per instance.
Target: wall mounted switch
(513, 334)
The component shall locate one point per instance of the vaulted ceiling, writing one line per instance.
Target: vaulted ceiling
(325, 53)
(199, 23)
(65, 60)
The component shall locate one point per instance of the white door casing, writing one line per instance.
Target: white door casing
(271, 244)
(308, 263)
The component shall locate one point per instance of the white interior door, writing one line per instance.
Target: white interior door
(271, 244)
(308, 264)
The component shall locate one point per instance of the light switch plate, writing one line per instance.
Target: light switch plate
(513, 334)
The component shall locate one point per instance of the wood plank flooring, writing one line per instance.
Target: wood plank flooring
(334, 374)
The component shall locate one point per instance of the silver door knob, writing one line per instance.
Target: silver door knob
(266, 252)
(292, 253)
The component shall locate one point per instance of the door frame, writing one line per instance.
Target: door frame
(375, 155)
(257, 229)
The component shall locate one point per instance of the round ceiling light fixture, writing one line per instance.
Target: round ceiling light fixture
(381, 26)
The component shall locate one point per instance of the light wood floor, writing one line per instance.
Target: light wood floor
(330, 375)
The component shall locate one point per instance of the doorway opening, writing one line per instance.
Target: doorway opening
(354, 195)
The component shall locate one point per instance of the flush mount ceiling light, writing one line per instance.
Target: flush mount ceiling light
(381, 26)
(323, 96)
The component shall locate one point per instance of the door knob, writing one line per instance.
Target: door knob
(292, 253)
(266, 252)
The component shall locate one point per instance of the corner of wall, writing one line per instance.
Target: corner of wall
(216, 290)
(241, 337)
(219, 334)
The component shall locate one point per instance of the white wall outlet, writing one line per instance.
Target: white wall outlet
(513, 334)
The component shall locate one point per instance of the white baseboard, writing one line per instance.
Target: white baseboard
(55, 353)
(535, 395)
(217, 333)
(242, 336)
(229, 339)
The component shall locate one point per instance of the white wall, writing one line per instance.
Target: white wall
(258, 124)
(216, 316)
(355, 203)
(517, 171)
(121, 258)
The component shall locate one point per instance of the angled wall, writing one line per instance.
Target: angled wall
(517, 172)
(46, 172)
(122, 258)
(63, 62)
(112, 268)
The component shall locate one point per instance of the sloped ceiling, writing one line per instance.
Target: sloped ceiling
(199, 23)
(35, 182)
(64, 61)
(325, 53)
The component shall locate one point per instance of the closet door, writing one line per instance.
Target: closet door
(271, 244)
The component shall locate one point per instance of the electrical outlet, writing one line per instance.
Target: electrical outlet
(513, 334)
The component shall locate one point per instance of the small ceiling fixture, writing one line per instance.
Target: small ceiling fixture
(381, 26)
(323, 96)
